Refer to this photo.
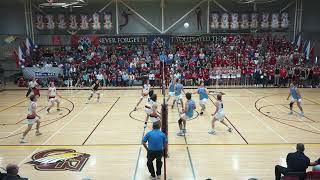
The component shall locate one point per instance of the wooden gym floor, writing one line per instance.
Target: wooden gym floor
(111, 134)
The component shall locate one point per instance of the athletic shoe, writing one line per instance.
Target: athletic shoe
(135, 109)
(159, 176)
(153, 178)
(184, 130)
(302, 114)
(22, 140)
(180, 133)
(58, 109)
(212, 132)
(48, 110)
(230, 129)
(290, 113)
(38, 133)
(201, 113)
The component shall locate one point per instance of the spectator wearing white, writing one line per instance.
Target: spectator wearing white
(201, 55)
(132, 78)
(100, 77)
(125, 78)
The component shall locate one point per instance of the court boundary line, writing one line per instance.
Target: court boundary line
(139, 153)
(261, 121)
(100, 121)
(284, 123)
(28, 156)
(187, 147)
(243, 138)
(176, 145)
(11, 106)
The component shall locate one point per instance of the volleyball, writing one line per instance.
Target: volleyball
(186, 25)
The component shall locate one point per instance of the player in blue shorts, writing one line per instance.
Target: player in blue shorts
(178, 93)
(186, 115)
(295, 97)
(203, 95)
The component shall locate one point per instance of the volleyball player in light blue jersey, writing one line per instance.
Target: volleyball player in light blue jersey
(203, 95)
(171, 89)
(295, 97)
(178, 93)
(186, 115)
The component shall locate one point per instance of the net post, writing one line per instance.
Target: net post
(164, 116)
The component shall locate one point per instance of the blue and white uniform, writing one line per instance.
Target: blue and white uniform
(171, 89)
(203, 95)
(220, 114)
(178, 91)
(294, 94)
(191, 107)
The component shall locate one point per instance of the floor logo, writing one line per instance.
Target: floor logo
(59, 160)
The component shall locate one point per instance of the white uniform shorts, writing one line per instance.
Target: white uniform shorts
(295, 100)
(185, 117)
(144, 94)
(95, 92)
(148, 111)
(224, 76)
(154, 119)
(219, 116)
(54, 100)
(171, 94)
(178, 97)
(203, 101)
(32, 121)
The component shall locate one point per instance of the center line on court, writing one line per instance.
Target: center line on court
(100, 121)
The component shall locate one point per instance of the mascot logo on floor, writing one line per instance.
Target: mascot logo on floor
(59, 160)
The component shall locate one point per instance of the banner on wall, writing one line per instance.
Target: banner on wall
(31, 72)
(243, 21)
(95, 21)
(155, 41)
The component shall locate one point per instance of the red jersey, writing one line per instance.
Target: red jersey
(283, 73)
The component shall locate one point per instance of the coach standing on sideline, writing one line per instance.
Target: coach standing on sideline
(157, 142)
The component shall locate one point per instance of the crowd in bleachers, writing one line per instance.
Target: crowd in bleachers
(238, 60)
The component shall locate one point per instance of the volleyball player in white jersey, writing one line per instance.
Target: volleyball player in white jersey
(218, 115)
(53, 97)
(95, 90)
(144, 94)
(32, 118)
(151, 109)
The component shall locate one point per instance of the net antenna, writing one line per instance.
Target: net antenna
(164, 115)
